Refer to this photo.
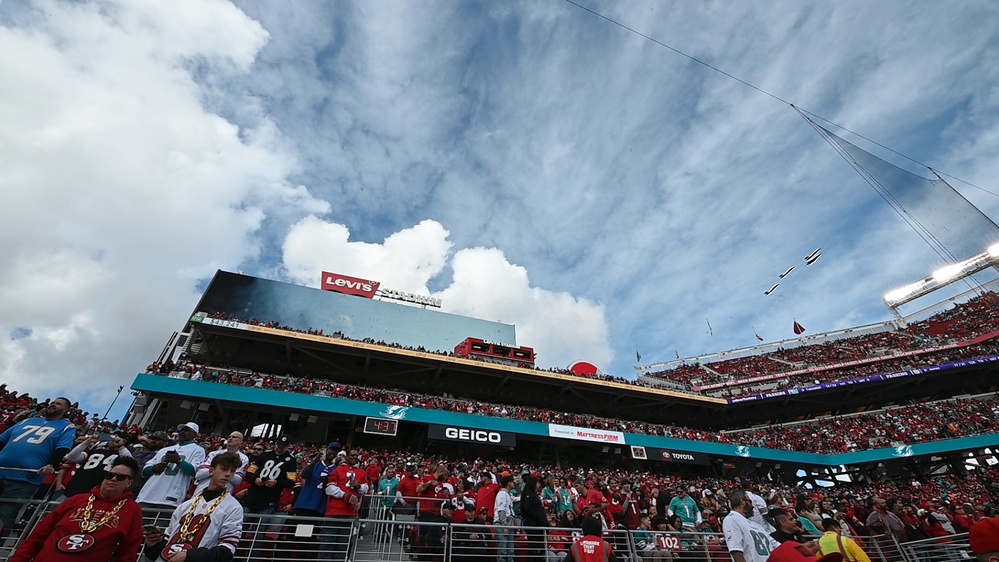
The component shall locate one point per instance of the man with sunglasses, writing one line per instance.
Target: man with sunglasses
(96, 455)
(105, 524)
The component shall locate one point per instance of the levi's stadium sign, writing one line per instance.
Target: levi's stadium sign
(349, 285)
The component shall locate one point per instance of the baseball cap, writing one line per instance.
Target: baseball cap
(283, 440)
(792, 551)
(334, 445)
(984, 536)
(190, 425)
(161, 435)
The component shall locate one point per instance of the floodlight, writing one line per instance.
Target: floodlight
(901, 293)
(948, 272)
(993, 250)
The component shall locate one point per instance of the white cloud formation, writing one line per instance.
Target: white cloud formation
(484, 284)
(143, 145)
(119, 189)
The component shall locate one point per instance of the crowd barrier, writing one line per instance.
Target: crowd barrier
(386, 536)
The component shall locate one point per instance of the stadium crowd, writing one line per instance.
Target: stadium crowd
(932, 341)
(905, 425)
(179, 468)
(935, 341)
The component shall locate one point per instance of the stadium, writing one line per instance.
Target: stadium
(822, 426)
(874, 408)
(337, 418)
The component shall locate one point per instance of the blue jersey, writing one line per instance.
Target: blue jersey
(313, 493)
(30, 444)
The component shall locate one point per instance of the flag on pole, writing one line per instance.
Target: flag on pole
(638, 356)
(676, 350)
(758, 337)
(798, 328)
(710, 331)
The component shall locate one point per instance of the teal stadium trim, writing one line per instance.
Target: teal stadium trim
(305, 403)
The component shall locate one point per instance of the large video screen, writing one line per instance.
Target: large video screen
(303, 308)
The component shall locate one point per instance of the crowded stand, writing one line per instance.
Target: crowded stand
(803, 366)
(421, 349)
(936, 506)
(904, 425)
(916, 423)
(247, 479)
(932, 341)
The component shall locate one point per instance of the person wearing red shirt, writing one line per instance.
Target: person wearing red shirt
(405, 503)
(432, 493)
(345, 487)
(633, 506)
(485, 497)
(591, 547)
(590, 499)
(105, 524)
(965, 519)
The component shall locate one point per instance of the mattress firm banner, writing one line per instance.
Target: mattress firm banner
(584, 434)
(667, 455)
(470, 435)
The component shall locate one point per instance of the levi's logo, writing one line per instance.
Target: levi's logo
(348, 285)
(340, 282)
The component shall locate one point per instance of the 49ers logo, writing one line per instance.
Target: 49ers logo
(75, 543)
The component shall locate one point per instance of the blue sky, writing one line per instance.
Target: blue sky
(526, 162)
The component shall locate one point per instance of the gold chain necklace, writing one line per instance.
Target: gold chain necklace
(89, 526)
(185, 534)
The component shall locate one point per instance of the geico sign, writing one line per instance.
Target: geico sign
(472, 435)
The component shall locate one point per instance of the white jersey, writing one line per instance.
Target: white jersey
(760, 507)
(224, 527)
(745, 536)
(201, 478)
(170, 487)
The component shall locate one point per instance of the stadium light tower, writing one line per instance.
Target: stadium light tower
(940, 278)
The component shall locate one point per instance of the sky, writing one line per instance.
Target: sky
(527, 162)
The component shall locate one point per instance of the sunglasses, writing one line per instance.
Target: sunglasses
(116, 476)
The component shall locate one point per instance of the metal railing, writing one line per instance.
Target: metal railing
(384, 535)
(951, 547)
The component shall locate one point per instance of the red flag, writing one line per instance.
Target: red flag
(798, 328)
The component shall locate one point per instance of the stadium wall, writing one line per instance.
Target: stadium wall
(245, 297)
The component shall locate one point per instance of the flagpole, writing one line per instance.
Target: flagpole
(120, 388)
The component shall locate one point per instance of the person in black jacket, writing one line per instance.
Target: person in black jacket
(435, 534)
(470, 542)
(532, 510)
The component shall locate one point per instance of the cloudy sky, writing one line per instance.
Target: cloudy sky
(527, 162)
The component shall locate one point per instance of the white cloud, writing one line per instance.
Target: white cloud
(484, 284)
(119, 189)
(560, 327)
